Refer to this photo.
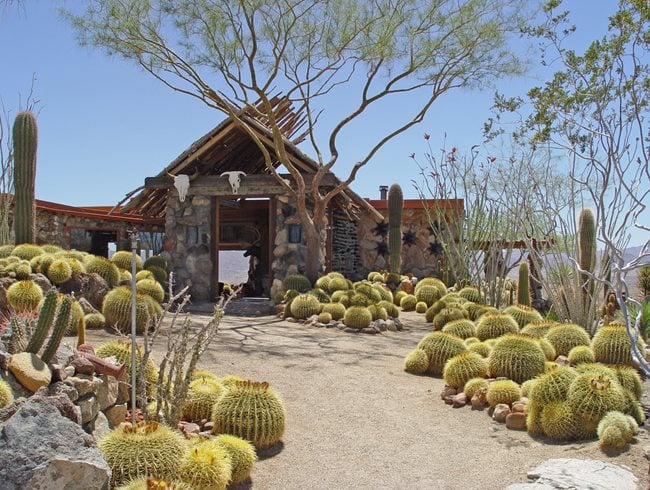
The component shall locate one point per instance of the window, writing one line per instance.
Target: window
(295, 233)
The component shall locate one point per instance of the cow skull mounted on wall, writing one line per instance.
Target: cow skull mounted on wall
(234, 178)
(182, 183)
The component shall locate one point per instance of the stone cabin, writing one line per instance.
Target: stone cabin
(234, 203)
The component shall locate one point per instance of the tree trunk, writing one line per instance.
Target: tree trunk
(312, 261)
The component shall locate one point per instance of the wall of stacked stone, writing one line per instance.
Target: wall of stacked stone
(345, 249)
(417, 259)
(188, 230)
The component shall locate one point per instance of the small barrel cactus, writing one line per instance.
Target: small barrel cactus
(122, 259)
(441, 347)
(494, 325)
(463, 367)
(416, 362)
(616, 429)
(24, 296)
(121, 351)
(206, 465)
(151, 288)
(324, 317)
(538, 329)
(117, 310)
(252, 411)
(105, 268)
(516, 357)
(552, 386)
(566, 336)
(202, 394)
(59, 271)
(472, 294)
(558, 421)
(612, 345)
(298, 282)
(523, 314)
(95, 321)
(481, 348)
(408, 302)
(242, 456)
(581, 354)
(304, 306)
(357, 317)
(6, 394)
(428, 294)
(473, 385)
(391, 309)
(27, 251)
(421, 307)
(503, 391)
(462, 328)
(336, 310)
(447, 315)
(148, 449)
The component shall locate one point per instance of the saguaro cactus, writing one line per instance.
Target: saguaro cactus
(587, 253)
(395, 205)
(24, 141)
(523, 290)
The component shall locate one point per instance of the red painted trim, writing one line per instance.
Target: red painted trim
(382, 204)
(97, 212)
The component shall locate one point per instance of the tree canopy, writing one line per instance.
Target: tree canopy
(235, 55)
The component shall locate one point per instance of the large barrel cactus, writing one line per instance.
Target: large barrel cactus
(148, 449)
(25, 139)
(252, 411)
(517, 357)
(395, 205)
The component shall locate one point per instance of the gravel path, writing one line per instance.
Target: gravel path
(355, 419)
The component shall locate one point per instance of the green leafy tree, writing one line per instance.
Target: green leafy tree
(595, 111)
(234, 55)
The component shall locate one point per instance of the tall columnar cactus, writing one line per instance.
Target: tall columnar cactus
(24, 141)
(523, 289)
(60, 327)
(395, 205)
(587, 253)
(45, 319)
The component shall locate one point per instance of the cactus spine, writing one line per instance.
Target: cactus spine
(523, 290)
(395, 205)
(45, 319)
(60, 327)
(587, 253)
(24, 141)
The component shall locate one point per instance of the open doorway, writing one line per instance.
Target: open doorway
(243, 245)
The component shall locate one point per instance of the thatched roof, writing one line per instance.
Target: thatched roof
(227, 147)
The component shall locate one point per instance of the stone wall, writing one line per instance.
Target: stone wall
(288, 258)
(188, 228)
(345, 249)
(419, 258)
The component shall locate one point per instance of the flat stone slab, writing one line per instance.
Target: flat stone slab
(579, 474)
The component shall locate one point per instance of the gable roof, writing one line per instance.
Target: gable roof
(227, 147)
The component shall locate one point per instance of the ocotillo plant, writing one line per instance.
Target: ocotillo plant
(523, 291)
(24, 141)
(395, 205)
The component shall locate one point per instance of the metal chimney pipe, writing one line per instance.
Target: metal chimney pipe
(383, 192)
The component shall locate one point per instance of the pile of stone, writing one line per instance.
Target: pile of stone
(60, 410)
(377, 326)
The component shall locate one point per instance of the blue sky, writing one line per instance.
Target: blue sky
(104, 125)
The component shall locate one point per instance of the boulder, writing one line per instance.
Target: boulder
(501, 411)
(30, 370)
(38, 447)
(115, 415)
(582, 474)
(42, 281)
(516, 421)
(107, 391)
(459, 400)
(82, 366)
(86, 306)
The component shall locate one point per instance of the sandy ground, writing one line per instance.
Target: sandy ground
(355, 419)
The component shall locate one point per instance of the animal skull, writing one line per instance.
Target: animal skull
(234, 178)
(182, 184)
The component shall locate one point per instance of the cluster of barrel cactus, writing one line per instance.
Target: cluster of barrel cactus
(593, 390)
(334, 298)
(247, 416)
(59, 266)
